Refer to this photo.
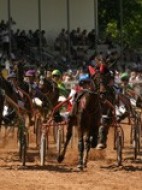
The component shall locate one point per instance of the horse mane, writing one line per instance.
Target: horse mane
(6, 86)
(49, 83)
(20, 72)
(89, 102)
(51, 89)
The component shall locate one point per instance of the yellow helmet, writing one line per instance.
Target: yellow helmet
(56, 73)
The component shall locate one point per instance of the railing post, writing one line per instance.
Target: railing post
(68, 26)
(9, 27)
(96, 24)
(39, 27)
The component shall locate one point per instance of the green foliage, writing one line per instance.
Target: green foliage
(112, 30)
(109, 20)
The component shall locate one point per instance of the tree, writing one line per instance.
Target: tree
(109, 19)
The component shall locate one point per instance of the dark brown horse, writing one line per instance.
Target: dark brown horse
(6, 90)
(50, 89)
(48, 92)
(87, 121)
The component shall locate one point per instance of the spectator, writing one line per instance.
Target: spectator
(73, 37)
(139, 77)
(5, 40)
(132, 77)
(84, 38)
(91, 39)
(43, 38)
(78, 35)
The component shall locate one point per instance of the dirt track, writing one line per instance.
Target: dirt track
(101, 174)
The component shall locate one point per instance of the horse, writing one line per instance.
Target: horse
(87, 121)
(47, 90)
(47, 95)
(7, 93)
(7, 87)
(50, 89)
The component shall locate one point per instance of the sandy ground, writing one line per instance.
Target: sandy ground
(102, 172)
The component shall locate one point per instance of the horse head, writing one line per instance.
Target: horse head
(50, 88)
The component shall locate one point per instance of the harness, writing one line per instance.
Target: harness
(82, 93)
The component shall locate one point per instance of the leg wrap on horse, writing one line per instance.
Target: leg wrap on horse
(86, 150)
(87, 143)
(80, 150)
(103, 130)
(102, 134)
(94, 134)
(68, 137)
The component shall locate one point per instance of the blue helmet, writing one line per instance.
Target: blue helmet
(84, 78)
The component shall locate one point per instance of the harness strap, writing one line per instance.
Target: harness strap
(84, 91)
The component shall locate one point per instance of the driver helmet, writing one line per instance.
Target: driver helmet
(30, 73)
(124, 77)
(56, 73)
(84, 78)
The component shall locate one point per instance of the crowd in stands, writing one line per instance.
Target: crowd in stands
(80, 37)
(78, 42)
(21, 40)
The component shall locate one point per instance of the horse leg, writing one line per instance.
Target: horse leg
(80, 152)
(80, 131)
(68, 137)
(86, 149)
(103, 133)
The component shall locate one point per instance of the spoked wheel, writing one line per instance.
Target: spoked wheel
(59, 140)
(22, 148)
(58, 130)
(55, 131)
(119, 143)
(135, 141)
(119, 150)
(116, 131)
(43, 149)
(23, 139)
(24, 152)
(38, 124)
(139, 133)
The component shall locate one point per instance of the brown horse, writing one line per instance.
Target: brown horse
(6, 90)
(86, 120)
(50, 89)
(48, 92)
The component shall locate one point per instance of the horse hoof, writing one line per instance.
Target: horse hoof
(60, 158)
(80, 168)
(85, 165)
